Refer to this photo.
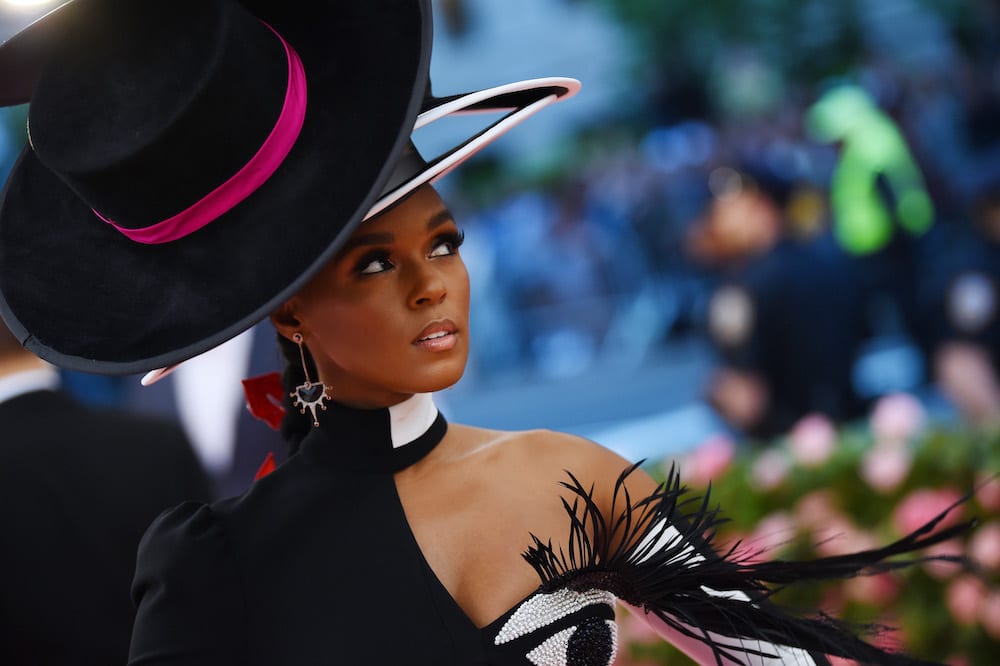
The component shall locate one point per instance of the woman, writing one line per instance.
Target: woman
(196, 166)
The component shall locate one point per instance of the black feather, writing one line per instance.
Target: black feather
(667, 577)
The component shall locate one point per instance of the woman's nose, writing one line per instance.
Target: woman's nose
(429, 288)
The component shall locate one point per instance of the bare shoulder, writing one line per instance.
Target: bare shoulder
(547, 456)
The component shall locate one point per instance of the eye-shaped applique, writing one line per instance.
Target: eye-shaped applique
(592, 642)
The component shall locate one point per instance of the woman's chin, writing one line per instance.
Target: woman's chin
(441, 382)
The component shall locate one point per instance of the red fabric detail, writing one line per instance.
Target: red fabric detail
(264, 394)
(266, 467)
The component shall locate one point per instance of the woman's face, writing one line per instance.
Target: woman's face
(388, 316)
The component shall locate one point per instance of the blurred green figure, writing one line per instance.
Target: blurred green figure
(876, 180)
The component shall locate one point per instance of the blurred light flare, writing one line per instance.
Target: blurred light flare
(29, 3)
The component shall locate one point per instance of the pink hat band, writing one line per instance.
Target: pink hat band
(244, 182)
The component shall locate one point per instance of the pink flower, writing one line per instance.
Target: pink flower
(891, 639)
(964, 597)
(989, 614)
(860, 539)
(988, 493)
(958, 660)
(984, 547)
(839, 536)
(770, 469)
(878, 590)
(737, 540)
(770, 533)
(943, 570)
(884, 467)
(924, 504)
(897, 417)
(709, 461)
(833, 600)
(817, 510)
(812, 440)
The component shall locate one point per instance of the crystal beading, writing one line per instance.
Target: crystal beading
(555, 651)
(543, 609)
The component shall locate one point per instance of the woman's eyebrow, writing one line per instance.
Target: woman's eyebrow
(385, 238)
(377, 238)
(439, 218)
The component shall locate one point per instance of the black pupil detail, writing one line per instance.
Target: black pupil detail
(590, 645)
(310, 394)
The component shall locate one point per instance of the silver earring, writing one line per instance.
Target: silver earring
(309, 395)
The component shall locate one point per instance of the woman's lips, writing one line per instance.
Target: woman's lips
(438, 336)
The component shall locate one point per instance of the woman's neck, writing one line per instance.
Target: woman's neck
(360, 399)
(386, 439)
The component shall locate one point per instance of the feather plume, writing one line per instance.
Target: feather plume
(656, 553)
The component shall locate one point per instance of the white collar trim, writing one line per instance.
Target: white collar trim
(411, 418)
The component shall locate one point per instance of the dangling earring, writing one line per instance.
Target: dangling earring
(309, 395)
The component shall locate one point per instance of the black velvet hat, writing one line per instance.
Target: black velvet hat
(192, 164)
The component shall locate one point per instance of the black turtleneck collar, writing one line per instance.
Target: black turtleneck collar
(377, 440)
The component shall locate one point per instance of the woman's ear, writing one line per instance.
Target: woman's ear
(286, 321)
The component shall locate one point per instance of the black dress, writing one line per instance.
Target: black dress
(317, 564)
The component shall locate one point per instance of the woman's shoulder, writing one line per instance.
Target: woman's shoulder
(179, 533)
(187, 591)
(538, 444)
(189, 534)
(551, 455)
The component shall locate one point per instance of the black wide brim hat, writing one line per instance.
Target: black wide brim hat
(117, 137)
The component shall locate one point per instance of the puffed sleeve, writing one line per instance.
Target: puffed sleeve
(187, 592)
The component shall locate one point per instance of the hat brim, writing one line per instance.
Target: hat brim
(81, 295)
(520, 99)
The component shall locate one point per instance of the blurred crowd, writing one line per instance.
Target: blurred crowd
(844, 248)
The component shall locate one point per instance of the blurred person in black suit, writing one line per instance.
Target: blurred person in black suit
(81, 486)
(785, 317)
(958, 294)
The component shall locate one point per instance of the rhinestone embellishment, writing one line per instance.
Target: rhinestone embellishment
(594, 643)
(544, 609)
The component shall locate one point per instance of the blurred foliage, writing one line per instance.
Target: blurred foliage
(920, 601)
(686, 36)
(694, 54)
(750, 67)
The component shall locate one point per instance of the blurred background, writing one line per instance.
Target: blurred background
(664, 252)
(764, 240)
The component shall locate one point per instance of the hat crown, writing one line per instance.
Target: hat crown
(168, 102)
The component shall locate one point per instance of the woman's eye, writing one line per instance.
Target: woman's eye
(442, 250)
(447, 244)
(373, 265)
